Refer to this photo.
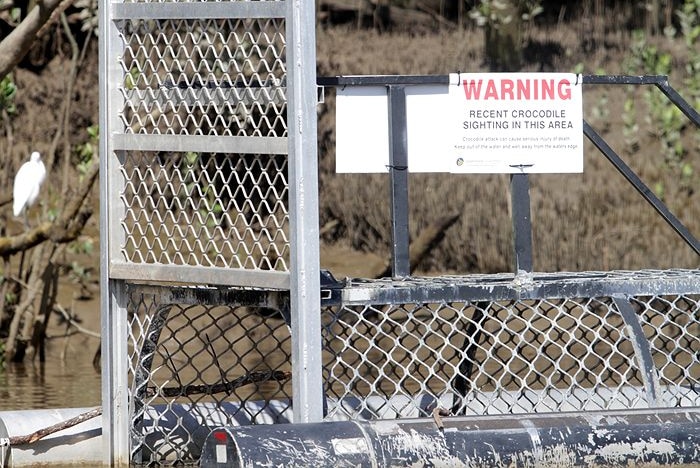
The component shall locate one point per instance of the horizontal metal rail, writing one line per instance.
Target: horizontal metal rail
(198, 10)
(660, 81)
(507, 286)
(164, 143)
(203, 97)
(382, 80)
(205, 275)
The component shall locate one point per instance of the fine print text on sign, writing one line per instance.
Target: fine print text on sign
(479, 123)
(517, 122)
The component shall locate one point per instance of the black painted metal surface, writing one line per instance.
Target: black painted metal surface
(633, 438)
(522, 221)
(507, 286)
(398, 173)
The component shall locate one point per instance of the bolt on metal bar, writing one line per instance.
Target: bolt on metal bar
(641, 187)
(398, 172)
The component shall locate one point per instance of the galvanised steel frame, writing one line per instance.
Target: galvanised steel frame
(275, 40)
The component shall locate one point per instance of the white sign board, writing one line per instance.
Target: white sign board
(517, 122)
(479, 123)
(362, 128)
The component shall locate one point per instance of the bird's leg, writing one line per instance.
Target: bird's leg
(26, 220)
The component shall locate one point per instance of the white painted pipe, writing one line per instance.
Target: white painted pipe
(80, 445)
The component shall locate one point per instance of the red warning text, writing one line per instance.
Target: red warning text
(526, 89)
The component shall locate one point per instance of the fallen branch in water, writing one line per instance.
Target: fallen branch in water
(41, 433)
(223, 387)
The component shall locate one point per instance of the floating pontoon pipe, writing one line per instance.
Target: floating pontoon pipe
(665, 437)
(80, 445)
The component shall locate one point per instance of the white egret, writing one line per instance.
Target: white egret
(27, 184)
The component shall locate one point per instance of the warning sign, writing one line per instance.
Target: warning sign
(516, 122)
(478, 123)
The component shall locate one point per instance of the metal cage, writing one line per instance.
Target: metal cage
(509, 345)
(215, 312)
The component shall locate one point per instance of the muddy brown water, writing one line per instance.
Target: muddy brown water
(67, 377)
(55, 383)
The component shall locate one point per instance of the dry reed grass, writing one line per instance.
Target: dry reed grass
(589, 221)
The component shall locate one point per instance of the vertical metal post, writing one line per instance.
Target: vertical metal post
(398, 173)
(305, 276)
(113, 299)
(522, 223)
(115, 407)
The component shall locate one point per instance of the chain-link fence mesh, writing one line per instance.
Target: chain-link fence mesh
(576, 354)
(200, 359)
(189, 360)
(215, 77)
(200, 136)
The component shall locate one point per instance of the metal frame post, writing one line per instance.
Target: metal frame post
(305, 280)
(113, 299)
(642, 350)
(115, 404)
(398, 173)
(522, 222)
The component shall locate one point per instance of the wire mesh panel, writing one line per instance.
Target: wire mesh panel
(672, 326)
(198, 188)
(197, 360)
(204, 209)
(389, 360)
(199, 172)
(204, 77)
(218, 356)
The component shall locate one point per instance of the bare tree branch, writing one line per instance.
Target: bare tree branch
(16, 45)
(41, 433)
(68, 318)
